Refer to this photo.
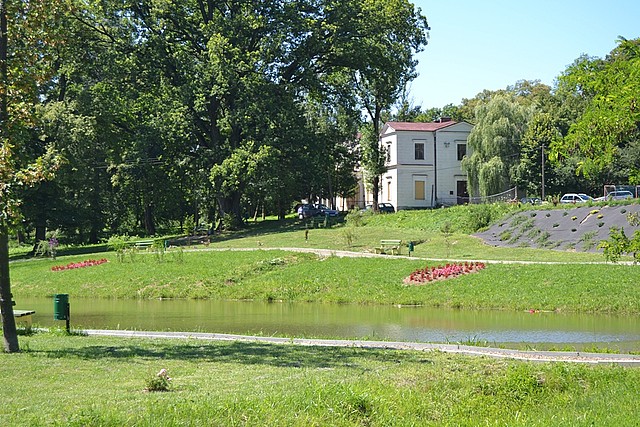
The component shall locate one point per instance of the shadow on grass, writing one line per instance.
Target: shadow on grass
(241, 353)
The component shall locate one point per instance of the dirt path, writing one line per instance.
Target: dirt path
(531, 356)
(340, 253)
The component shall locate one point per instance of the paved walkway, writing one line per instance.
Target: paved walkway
(532, 356)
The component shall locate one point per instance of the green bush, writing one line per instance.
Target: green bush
(479, 217)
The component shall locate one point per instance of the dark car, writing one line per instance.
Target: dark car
(386, 208)
(382, 208)
(531, 200)
(324, 210)
(308, 211)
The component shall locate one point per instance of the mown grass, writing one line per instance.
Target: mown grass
(99, 381)
(288, 276)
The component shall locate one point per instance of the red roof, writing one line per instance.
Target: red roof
(424, 127)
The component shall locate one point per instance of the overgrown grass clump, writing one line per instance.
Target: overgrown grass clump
(101, 381)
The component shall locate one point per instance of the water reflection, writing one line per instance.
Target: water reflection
(419, 324)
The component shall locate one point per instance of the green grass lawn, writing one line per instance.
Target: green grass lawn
(76, 380)
(100, 381)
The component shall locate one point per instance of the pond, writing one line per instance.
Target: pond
(313, 320)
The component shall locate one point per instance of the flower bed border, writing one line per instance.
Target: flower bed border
(448, 271)
(81, 264)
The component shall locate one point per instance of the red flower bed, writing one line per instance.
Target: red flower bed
(430, 274)
(72, 265)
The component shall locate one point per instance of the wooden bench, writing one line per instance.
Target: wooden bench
(24, 317)
(389, 246)
(143, 244)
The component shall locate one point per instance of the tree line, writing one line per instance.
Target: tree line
(157, 113)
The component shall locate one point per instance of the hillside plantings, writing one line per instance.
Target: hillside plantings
(448, 271)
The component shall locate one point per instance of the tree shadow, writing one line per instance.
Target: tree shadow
(249, 353)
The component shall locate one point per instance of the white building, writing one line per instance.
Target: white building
(423, 164)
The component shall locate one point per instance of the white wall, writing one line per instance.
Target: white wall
(404, 170)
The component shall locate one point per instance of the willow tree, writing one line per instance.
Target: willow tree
(495, 143)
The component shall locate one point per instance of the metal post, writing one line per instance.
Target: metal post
(68, 317)
(542, 164)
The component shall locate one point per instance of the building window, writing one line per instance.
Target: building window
(388, 191)
(462, 151)
(388, 153)
(420, 187)
(419, 150)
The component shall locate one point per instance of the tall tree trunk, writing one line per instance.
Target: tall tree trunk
(6, 300)
(149, 224)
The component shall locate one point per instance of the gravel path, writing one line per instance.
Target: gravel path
(342, 254)
(532, 356)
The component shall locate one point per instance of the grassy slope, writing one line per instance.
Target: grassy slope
(278, 275)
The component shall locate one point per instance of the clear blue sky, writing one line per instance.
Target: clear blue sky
(491, 44)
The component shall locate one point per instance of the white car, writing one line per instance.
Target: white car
(617, 195)
(575, 198)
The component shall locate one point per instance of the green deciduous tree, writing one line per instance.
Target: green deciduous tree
(392, 31)
(609, 122)
(533, 171)
(24, 65)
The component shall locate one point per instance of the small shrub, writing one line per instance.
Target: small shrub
(600, 224)
(354, 217)
(573, 218)
(548, 215)
(479, 216)
(229, 222)
(556, 225)
(527, 225)
(543, 238)
(600, 216)
(533, 214)
(505, 235)
(119, 244)
(349, 235)
(158, 382)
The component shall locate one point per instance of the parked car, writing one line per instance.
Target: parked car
(532, 200)
(386, 208)
(575, 198)
(324, 210)
(382, 208)
(307, 211)
(617, 195)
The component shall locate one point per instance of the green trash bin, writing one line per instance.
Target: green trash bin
(61, 307)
